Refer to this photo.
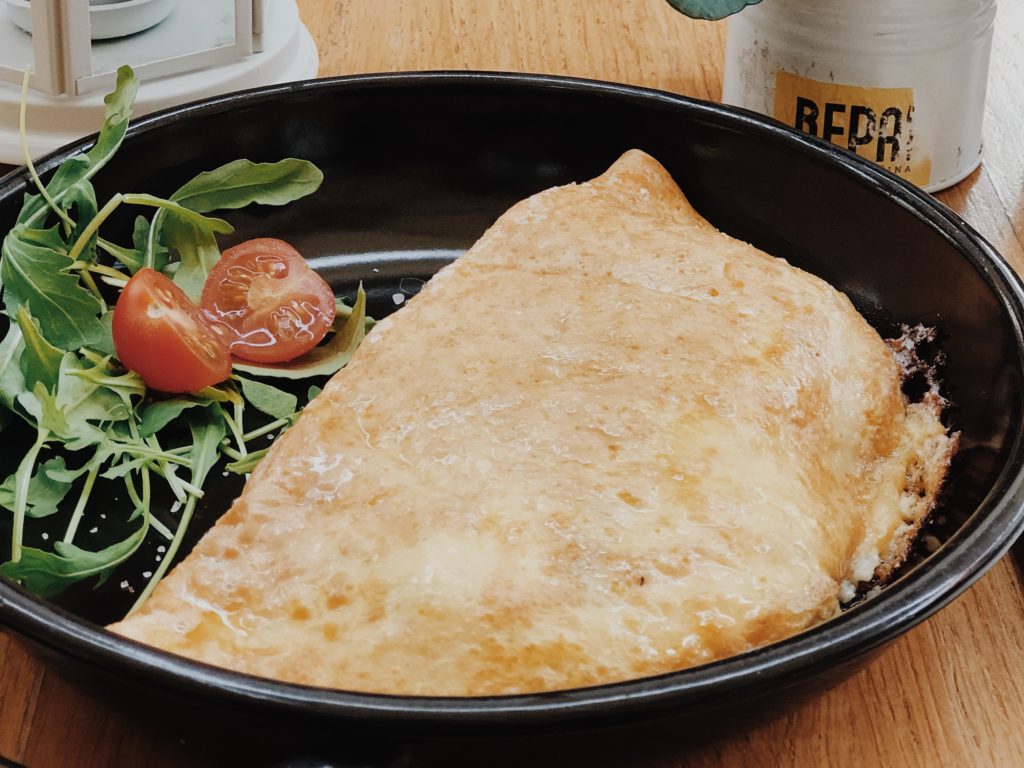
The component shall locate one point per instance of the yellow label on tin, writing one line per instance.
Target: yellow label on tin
(876, 123)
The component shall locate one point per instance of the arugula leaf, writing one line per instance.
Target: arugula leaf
(96, 393)
(50, 573)
(130, 257)
(323, 360)
(105, 372)
(710, 9)
(205, 223)
(65, 475)
(222, 393)
(47, 488)
(34, 274)
(140, 239)
(39, 404)
(134, 258)
(208, 429)
(158, 415)
(40, 361)
(271, 400)
(35, 207)
(341, 314)
(82, 198)
(48, 238)
(126, 467)
(81, 168)
(12, 381)
(72, 428)
(104, 343)
(196, 248)
(242, 182)
(21, 482)
(247, 463)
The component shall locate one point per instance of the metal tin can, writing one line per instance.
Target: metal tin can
(900, 82)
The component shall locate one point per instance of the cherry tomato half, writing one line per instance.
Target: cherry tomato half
(162, 336)
(266, 302)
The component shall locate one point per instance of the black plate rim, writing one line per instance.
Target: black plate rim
(986, 536)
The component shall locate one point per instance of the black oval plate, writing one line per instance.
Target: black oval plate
(418, 165)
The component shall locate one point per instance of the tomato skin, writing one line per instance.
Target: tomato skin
(162, 336)
(266, 302)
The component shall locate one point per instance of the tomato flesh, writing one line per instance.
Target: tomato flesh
(162, 336)
(266, 303)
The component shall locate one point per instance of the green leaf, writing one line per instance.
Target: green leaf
(205, 223)
(141, 241)
(80, 201)
(35, 208)
(81, 168)
(196, 248)
(65, 475)
(341, 314)
(222, 393)
(120, 470)
(33, 275)
(323, 360)
(241, 182)
(47, 238)
(710, 9)
(134, 258)
(41, 406)
(158, 415)
(40, 362)
(12, 381)
(118, 103)
(104, 342)
(208, 430)
(50, 573)
(46, 489)
(96, 393)
(104, 377)
(22, 477)
(247, 463)
(130, 257)
(72, 428)
(312, 392)
(269, 399)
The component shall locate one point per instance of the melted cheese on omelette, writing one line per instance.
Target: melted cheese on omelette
(607, 442)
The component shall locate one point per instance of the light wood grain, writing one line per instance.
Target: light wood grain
(643, 42)
(948, 693)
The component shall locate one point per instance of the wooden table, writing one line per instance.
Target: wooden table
(948, 693)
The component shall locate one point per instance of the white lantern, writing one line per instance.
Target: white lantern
(181, 50)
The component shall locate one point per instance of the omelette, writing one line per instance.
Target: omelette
(608, 442)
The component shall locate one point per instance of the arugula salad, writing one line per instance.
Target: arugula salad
(74, 372)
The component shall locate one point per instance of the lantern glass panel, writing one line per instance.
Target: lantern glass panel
(196, 34)
(193, 25)
(16, 52)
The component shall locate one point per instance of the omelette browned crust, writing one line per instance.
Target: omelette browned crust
(608, 442)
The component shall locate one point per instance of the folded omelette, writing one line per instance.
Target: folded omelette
(608, 442)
